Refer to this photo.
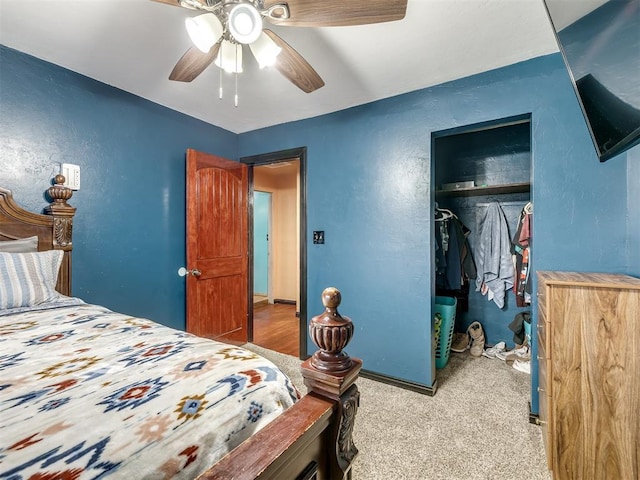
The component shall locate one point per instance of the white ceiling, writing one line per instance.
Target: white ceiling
(134, 44)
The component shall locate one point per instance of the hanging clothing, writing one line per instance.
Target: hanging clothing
(518, 328)
(521, 250)
(495, 271)
(454, 260)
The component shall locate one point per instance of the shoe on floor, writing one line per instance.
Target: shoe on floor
(460, 342)
(522, 365)
(493, 351)
(477, 339)
(511, 356)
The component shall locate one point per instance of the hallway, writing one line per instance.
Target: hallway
(276, 327)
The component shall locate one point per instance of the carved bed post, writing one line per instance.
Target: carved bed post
(62, 214)
(330, 372)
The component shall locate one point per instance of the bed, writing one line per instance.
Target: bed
(86, 392)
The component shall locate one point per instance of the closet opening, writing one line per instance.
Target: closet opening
(482, 183)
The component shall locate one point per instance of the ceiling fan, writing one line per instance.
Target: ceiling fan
(225, 25)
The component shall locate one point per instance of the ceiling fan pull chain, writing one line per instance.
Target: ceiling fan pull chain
(220, 82)
(236, 97)
(236, 77)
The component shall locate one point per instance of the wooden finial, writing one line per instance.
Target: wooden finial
(331, 332)
(62, 213)
(58, 192)
(331, 373)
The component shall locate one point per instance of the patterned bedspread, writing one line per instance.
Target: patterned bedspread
(88, 393)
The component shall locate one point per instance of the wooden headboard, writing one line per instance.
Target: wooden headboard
(53, 228)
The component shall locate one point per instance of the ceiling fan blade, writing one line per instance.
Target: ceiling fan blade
(178, 3)
(293, 66)
(193, 63)
(338, 13)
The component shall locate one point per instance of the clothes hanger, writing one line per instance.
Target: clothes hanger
(445, 214)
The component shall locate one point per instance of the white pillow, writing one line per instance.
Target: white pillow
(23, 245)
(28, 279)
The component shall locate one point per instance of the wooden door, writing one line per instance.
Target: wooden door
(217, 247)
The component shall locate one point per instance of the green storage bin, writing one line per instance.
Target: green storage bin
(527, 331)
(445, 308)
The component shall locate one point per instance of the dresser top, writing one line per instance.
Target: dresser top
(588, 279)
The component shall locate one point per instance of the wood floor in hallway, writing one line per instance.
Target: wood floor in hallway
(277, 328)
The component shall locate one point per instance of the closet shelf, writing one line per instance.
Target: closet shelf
(486, 190)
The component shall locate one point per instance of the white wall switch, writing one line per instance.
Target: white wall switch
(71, 174)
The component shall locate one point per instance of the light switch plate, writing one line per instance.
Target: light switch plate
(318, 237)
(71, 174)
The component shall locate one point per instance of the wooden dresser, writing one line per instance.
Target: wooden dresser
(589, 374)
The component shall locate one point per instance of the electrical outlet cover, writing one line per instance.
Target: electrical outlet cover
(71, 174)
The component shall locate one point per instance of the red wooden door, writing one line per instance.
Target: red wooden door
(217, 247)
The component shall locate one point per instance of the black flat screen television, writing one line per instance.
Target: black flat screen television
(600, 43)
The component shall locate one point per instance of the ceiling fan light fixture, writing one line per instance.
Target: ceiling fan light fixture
(229, 57)
(245, 23)
(204, 30)
(265, 50)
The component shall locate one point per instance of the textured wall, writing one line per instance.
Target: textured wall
(370, 188)
(129, 231)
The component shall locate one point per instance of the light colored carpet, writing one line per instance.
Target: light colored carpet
(475, 427)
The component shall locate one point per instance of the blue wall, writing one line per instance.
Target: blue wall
(369, 187)
(129, 230)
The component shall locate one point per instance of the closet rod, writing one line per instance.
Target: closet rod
(516, 203)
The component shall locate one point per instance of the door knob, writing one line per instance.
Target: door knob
(184, 272)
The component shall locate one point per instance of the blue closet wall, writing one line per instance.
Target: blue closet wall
(369, 187)
(129, 230)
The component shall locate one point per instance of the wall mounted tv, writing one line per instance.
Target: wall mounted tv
(600, 43)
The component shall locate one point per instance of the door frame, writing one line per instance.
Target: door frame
(300, 154)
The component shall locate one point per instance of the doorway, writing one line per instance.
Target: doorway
(475, 167)
(278, 320)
